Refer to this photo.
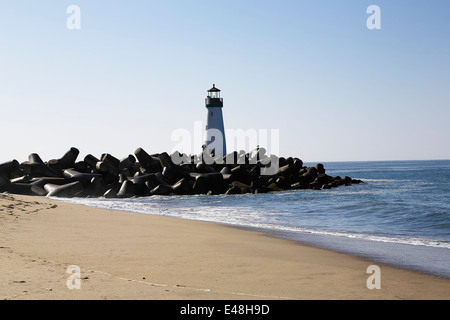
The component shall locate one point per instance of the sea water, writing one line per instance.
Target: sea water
(400, 215)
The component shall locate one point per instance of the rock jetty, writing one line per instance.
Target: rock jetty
(142, 174)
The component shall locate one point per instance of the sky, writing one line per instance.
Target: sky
(308, 76)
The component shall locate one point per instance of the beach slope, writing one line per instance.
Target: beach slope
(133, 256)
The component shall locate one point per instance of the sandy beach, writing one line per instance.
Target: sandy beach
(133, 256)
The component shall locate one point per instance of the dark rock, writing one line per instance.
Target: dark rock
(66, 161)
(41, 182)
(84, 178)
(233, 190)
(49, 187)
(322, 178)
(217, 167)
(38, 191)
(23, 179)
(126, 173)
(127, 162)
(228, 178)
(127, 190)
(320, 168)
(36, 169)
(289, 160)
(102, 167)
(11, 169)
(123, 177)
(298, 164)
(165, 160)
(55, 166)
(215, 182)
(241, 173)
(201, 185)
(283, 183)
(23, 189)
(347, 180)
(4, 181)
(274, 187)
(110, 194)
(311, 174)
(81, 166)
(208, 181)
(91, 161)
(95, 189)
(135, 169)
(296, 186)
(115, 186)
(302, 183)
(34, 158)
(255, 184)
(111, 161)
(69, 190)
(143, 184)
(108, 173)
(150, 184)
(293, 178)
(170, 174)
(225, 170)
(69, 158)
(182, 187)
(261, 190)
(141, 179)
(204, 168)
(161, 190)
(286, 170)
(19, 188)
(244, 187)
(160, 179)
(147, 162)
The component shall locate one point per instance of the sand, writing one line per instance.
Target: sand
(132, 256)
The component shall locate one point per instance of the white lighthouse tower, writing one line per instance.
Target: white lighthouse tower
(215, 143)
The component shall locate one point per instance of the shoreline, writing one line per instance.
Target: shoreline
(126, 255)
(383, 252)
(415, 254)
(303, 238)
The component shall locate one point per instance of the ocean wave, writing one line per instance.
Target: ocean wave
(370, 237)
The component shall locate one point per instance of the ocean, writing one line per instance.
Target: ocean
(400, 215)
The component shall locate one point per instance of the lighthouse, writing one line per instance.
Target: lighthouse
(215, 143)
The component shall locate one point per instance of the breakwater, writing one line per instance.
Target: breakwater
(142, 174)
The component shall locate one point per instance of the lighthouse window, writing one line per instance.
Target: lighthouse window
(211, 114)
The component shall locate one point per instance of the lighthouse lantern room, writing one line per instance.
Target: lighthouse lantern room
(215, 143)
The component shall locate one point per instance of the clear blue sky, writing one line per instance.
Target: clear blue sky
(138, 70)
